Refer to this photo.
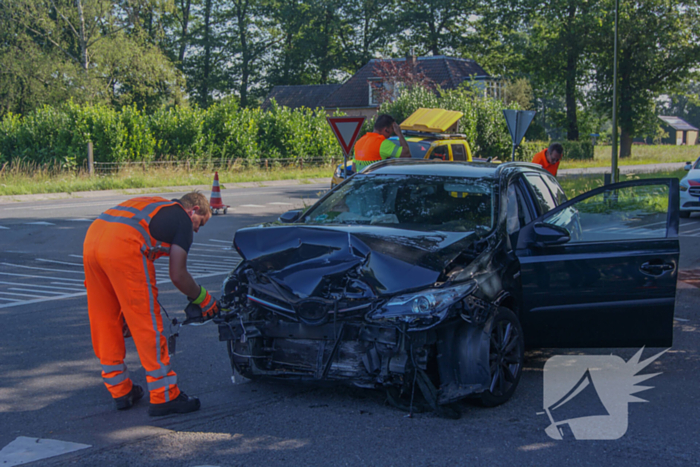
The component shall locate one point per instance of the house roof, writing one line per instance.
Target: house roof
(678, 123)
(447, 72)
(300, 96)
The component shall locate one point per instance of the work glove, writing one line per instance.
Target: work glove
(201, 309)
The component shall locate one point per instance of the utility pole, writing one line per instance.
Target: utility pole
(615, 175)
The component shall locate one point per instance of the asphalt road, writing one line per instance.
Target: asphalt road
(50, 385)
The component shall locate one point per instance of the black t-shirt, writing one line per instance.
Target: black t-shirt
(172, 225)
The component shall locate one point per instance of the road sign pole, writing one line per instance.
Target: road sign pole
(613, 169)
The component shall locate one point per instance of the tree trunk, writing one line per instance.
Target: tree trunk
(185, 29)
(204, 92)
(626, 113)
(241, 18)
(571, 69)
(82, 39)
(625, 143)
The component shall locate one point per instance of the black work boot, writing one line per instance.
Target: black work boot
(182, 404)
(127, 401)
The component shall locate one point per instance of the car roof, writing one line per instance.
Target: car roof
(430, 138)
(448, 168)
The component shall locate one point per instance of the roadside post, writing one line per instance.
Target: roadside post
(346, 131)
(518, 122)
(91, 159)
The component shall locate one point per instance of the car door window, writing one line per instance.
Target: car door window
(440, 152)
(458, 152)
(517, 213)
(624, 213)
(555, 188)
(544, 197)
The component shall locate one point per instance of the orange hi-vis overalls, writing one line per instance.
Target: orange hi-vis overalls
(120, 279)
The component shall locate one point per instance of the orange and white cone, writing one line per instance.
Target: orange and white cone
(215, 200)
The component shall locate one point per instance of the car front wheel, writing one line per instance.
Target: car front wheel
(506, 356)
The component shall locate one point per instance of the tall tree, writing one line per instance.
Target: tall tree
(659, 45)
(435, 26)
(253, 34)
(97, 47)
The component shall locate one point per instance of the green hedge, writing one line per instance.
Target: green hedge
(59, 135)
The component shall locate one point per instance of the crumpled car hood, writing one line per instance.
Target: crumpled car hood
(307, 259)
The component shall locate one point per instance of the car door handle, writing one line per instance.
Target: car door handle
(656, 269)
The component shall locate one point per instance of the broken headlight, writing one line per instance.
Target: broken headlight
(425, 306)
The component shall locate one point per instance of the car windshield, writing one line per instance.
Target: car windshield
(410, 202)
(697, 164)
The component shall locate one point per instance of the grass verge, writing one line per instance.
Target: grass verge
(23, 182)
(576, 185)
(641, 155)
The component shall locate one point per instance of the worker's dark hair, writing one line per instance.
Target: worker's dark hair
(383, 121)
(556, 147)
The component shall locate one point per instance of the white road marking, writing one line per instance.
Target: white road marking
(41, 277)
(82, 294)
(690, 231)
(16, 294)
(209, 263)
(43, 286)
(41, 269)
(681, 319)
(38, 223)
(208, 245)
(4, 228)
(59, 206)
(68, 285)
(35, 291)
(24, 450)
(251, 206)
(234, 258)
(59, 262)
(80, 220)
(222, 241)
(11, 299)
(282, 204)
(76, 256)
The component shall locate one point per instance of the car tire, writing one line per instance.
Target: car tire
(506, 358)
(684, 214)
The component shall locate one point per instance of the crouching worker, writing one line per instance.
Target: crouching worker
(120, 278)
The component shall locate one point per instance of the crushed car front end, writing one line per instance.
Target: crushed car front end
(394, 305)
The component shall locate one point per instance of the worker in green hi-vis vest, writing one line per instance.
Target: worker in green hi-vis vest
(375, 145)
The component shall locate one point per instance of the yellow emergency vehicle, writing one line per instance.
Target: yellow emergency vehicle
(429, 134)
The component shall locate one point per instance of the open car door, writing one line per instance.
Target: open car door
(600, 270)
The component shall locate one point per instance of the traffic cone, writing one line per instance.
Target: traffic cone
(215, 200)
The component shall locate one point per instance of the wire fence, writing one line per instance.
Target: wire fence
(109, 168)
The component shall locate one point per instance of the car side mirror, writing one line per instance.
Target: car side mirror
(550, 235)
(290, 216)
(688, 165)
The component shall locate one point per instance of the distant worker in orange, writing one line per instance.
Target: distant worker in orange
(375, 145)
(549, 158)
(118, 254)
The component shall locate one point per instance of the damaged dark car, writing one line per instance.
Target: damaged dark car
(432, 277)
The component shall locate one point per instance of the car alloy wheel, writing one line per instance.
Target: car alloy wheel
(506, 356)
